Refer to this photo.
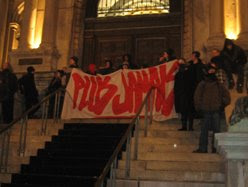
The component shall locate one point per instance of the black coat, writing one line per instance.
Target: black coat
(28, 87)
(183, 91)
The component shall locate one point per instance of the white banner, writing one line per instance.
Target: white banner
(120, 94)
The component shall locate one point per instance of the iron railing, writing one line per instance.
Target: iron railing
(5, 132)
(134, 125)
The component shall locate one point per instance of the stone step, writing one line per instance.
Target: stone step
(143, 148)
(144, 183)
(174, 166)
(169, 141)
(171, 134)
(175, 176)
(186, 157)
(5, 178)
(31, 139)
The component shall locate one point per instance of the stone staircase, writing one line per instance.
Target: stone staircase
(34, 141)
(165, 158)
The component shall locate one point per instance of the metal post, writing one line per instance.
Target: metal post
(146, 118)
(23, 136)
(58, 107)
(152, 96)
(5, 151)
(128, 157)
(55, 107)
(136, 145)
(43, 120)
(45, 117)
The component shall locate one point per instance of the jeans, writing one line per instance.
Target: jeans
(211, 120)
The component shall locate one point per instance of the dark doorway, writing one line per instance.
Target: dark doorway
(144, 37)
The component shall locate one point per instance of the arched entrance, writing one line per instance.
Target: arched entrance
(144, 37)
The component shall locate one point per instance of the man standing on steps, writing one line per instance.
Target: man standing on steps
(210, 98)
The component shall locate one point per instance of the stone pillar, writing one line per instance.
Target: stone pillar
(49, 26)
(27, 16)
(216, 24)
(243, 36)
(233, 146)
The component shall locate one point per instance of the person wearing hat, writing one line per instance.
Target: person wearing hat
(235, 59)
(28, 89)
(8, 87)
(210, 98)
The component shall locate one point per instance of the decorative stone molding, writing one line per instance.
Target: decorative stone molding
(233, 146)
(47, 59)
(187, 29)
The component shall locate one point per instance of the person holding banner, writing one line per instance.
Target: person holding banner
(168, 55)
(183, 93)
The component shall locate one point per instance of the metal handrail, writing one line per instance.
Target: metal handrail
(125, 137)
(46, 98)
(23, 118)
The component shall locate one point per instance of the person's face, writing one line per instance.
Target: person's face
(107, 64)
(211, 71)
(181, 61)
(125, 66)
(165, 55)
(229, 47)
(215, 53)
(193, 57)
(71, 62)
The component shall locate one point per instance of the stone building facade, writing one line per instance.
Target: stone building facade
(203, 28)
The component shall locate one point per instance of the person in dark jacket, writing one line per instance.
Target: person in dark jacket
(10, 81)
(235, 59)
(183, 96)
(28, 89)
(197, 72)
(54, 85)
(210, 98)
(168, 55)
(107, 69)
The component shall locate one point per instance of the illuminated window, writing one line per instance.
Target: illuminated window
(36, 24)
(132, 7)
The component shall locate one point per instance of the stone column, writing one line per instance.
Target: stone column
(49, 26)
(25, 28)
(243, 36)
(233, 146)
(216, 24)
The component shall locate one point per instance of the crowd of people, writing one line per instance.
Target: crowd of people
(201, 89)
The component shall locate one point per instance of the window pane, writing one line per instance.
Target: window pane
(108, 8)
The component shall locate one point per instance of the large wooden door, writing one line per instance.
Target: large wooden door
(143, 37)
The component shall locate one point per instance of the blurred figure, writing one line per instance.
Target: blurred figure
(73, 62)
(167, 56)
(125, 65)
(183, 96)
(196, 69)
(8, 88)
(54, 85)
(28, 89)
(220, 73)
(91, 69)
(107, 69)
(210, 98)
(126, 59)
(235, 59)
